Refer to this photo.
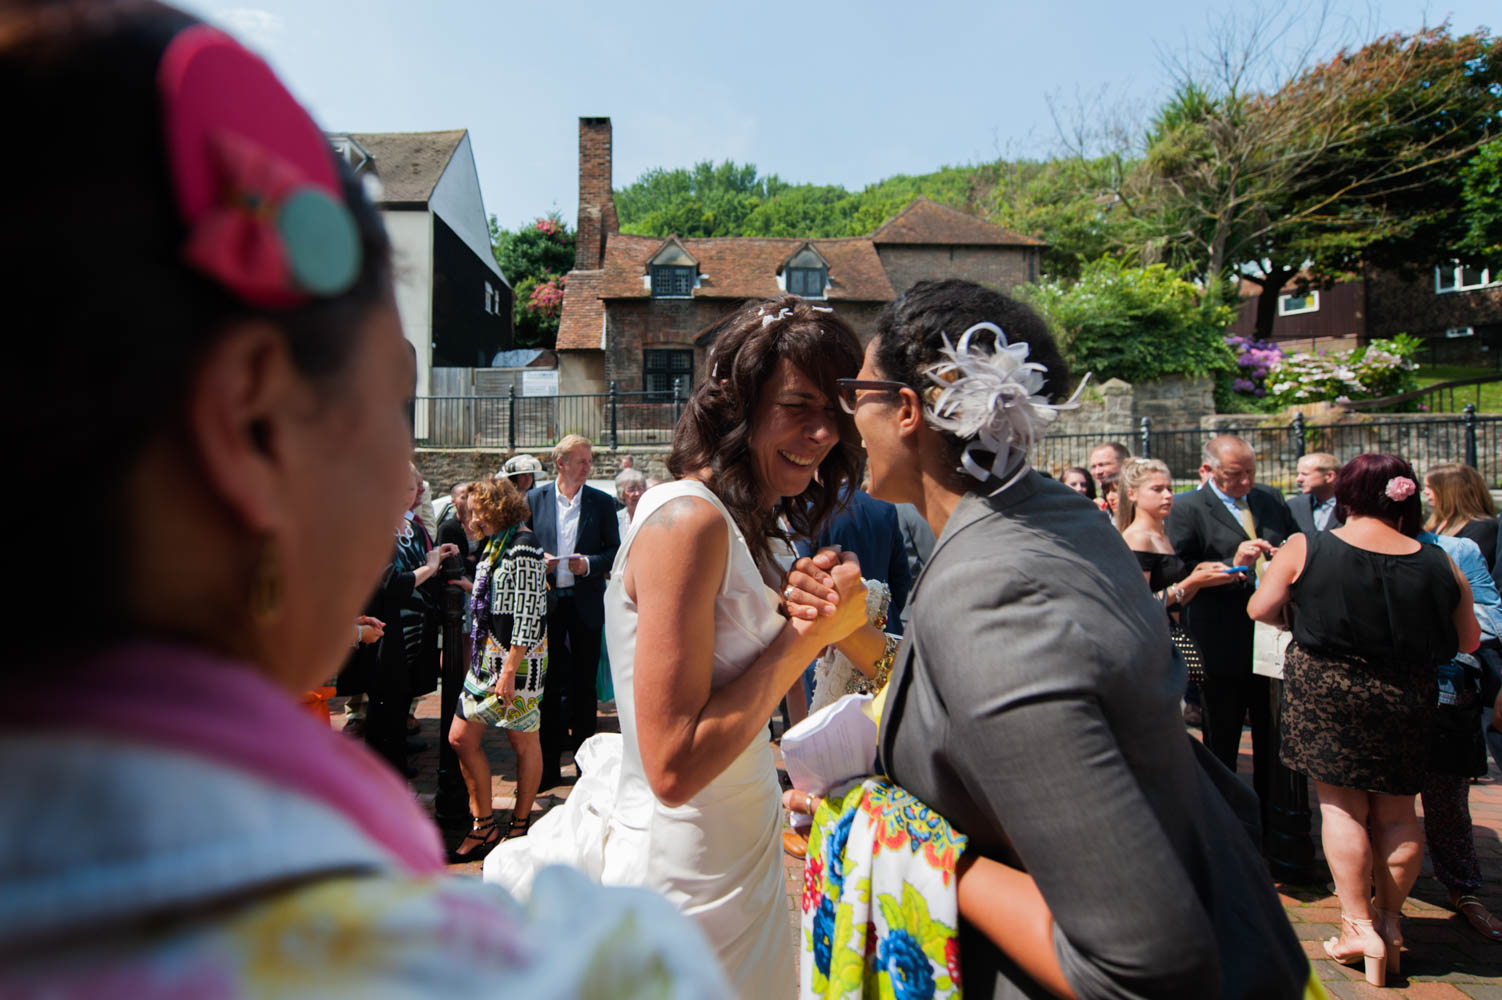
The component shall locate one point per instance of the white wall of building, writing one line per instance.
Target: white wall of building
(411, 235)
(457, 201)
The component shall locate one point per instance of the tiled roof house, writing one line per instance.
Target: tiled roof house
(640, 310)
(455, 304)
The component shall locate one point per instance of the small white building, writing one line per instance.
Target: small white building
(454, 302)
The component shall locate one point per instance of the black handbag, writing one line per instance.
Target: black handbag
(1186, 649)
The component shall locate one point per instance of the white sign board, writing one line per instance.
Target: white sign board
(543, 382)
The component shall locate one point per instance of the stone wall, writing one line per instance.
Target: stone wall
(1116, 407)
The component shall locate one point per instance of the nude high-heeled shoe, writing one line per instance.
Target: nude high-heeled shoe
(1390, 926)
(1360, 942)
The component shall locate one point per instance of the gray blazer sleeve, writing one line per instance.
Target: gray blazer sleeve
(1016, 662)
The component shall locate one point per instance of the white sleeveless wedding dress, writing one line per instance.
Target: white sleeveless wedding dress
(718, 857)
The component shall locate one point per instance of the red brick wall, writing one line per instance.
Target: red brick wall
(1002, 268)
(596, 206)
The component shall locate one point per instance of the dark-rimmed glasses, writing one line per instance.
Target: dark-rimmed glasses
(848, 387)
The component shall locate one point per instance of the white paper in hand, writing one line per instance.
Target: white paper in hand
(831, 746)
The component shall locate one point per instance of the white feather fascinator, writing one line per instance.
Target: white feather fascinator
(993, 397)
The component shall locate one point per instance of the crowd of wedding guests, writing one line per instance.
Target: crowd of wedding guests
(1386, 643)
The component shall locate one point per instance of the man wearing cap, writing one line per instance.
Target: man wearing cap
(577, 527)
(522, 470)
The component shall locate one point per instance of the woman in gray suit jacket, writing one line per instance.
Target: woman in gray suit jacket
(1033, 702)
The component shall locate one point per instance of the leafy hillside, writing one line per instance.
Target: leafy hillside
(1061, 201)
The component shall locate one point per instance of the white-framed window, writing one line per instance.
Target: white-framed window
(1456, 332)
(1458, 277)
(808, 282)
(671, 281)
(490, 298)
(1294, 305)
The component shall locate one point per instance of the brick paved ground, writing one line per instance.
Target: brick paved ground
(1444, 957)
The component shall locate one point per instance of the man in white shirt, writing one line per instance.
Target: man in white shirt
(577, 527)
(1314, 508)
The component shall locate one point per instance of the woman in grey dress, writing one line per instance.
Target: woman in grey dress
(1033, 703)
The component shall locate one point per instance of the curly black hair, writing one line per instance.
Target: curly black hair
(910, 333)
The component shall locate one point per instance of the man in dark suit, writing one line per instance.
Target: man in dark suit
(1314, 508)
(577, 527)
(1232, 521)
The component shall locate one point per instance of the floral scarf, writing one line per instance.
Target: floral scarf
(880, 913)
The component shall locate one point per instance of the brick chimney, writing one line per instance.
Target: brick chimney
(596, 206)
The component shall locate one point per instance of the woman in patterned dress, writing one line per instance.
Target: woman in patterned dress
(509, 662)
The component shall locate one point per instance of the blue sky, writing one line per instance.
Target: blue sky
(835, 93)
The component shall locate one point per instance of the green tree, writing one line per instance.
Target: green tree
(1353, 160)
(534, 260)
(1136, 323)
(1068, 203)
(1481, 202)
(707, 200)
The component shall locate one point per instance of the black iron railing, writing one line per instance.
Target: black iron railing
(617, 419)
(608, 419)
(1468, 437)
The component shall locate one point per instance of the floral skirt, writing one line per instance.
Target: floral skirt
(478, 702)
(1357, 722)
(880, 913)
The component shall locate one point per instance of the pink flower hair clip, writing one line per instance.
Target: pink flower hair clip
(1400, 488)
(255, 179)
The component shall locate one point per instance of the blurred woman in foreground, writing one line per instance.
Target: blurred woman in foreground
(242, 384)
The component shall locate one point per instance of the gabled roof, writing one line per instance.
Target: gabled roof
(927, 223)
(409, 164)
(582, 325)
(672, 253)
(813, 252)
(742, 268)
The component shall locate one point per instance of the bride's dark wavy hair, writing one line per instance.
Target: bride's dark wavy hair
(715, 429)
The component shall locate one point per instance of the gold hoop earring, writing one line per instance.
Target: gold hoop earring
(267, 587)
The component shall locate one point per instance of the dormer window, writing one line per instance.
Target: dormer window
(808, 282)
(671, 281)
(806, 273)
(674, 271)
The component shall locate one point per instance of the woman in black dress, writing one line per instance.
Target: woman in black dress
(1373, 612)
(1148, 500)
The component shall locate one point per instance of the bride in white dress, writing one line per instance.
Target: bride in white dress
(686, 799)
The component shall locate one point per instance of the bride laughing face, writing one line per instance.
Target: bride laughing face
(795, 426)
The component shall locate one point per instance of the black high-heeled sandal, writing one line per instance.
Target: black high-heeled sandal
(484, 831)
(518, 827)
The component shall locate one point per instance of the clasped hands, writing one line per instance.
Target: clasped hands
(825, 596)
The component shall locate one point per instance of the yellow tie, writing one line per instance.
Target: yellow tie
(1250, 527)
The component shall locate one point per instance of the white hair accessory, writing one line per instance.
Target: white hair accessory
(782, 314)
(821, 309)
(993, 397)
